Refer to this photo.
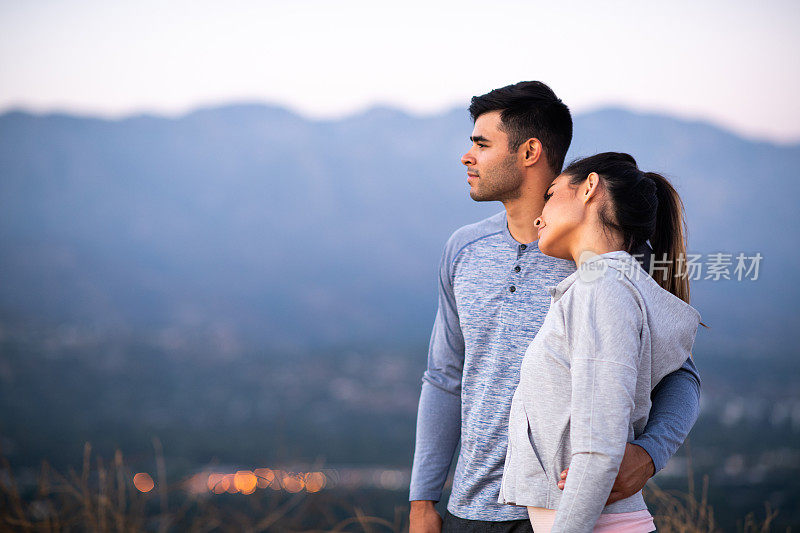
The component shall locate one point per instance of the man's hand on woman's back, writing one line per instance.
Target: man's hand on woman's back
(636, 468)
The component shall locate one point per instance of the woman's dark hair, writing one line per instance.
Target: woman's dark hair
(530, 109)
(643, 206)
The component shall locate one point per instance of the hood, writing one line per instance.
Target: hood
(672, 322)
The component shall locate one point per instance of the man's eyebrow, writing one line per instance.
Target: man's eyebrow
(478, 139)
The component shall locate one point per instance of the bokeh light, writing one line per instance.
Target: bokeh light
(293, 482)
(245, 481)
(143, 482)
(264, 477)
(315, 481)
(217, 483)
(230, 483)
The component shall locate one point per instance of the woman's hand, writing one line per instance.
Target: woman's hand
(634, 471)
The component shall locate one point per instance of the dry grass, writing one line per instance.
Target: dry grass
(685, 512)
(104, 500)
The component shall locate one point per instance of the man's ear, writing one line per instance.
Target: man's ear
(532, 152)
(590, 187)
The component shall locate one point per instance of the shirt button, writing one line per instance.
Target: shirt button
(516, 268)
(512, 288)
(523, 246)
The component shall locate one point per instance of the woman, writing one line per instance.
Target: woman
(611, 334)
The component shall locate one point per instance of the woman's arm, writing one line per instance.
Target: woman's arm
(604, 323)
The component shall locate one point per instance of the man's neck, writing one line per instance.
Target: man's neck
(520, 214)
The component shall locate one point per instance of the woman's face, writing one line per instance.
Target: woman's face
(563, 214)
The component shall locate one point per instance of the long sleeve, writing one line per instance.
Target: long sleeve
(438, 433)
(439, 411)
(676, 406)
(605, 343)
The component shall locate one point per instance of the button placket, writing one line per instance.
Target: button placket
(517, 268)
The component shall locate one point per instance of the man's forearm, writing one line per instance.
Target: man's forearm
(676, 406)
(438, 433)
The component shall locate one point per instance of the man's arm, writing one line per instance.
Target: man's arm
(676, 406)
(438, 433)
(439, 412)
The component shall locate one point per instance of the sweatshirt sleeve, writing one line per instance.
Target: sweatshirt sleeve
(676, 406)
(439, 411)
(604, 327)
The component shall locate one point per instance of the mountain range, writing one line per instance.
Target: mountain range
(250, 223)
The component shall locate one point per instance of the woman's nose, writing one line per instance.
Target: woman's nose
(538, 222)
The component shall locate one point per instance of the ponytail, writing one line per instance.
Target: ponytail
(669, 238)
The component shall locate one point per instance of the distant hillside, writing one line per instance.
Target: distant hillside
(254, 224)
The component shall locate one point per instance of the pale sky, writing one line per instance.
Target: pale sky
(732, 63)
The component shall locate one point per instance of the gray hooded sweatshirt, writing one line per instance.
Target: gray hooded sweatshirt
(610, 335)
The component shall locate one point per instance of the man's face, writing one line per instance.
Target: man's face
(493, 172)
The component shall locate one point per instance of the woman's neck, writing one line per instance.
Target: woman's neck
(596, 240)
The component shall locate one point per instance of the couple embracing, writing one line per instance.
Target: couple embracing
(559, 360)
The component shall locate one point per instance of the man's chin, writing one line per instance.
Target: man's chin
(478, 197)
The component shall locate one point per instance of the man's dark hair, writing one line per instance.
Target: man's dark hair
(530, 109)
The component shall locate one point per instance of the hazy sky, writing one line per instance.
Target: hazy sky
(733, 63)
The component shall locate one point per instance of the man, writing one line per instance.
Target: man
(492, 301)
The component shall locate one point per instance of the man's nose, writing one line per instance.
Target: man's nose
(467, 159)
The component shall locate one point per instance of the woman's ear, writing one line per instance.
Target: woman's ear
(591, 186)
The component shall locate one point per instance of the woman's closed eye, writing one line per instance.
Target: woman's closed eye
(547, 195)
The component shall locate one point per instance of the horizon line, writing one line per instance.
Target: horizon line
(363, 110)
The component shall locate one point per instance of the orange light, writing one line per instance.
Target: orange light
(217, 483)
(245, 481)
(231, 483)
(143, 482)
(264, 477)
(276, 480)
(292, 483)
(315, 481)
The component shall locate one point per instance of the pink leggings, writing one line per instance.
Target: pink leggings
(635, 522)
